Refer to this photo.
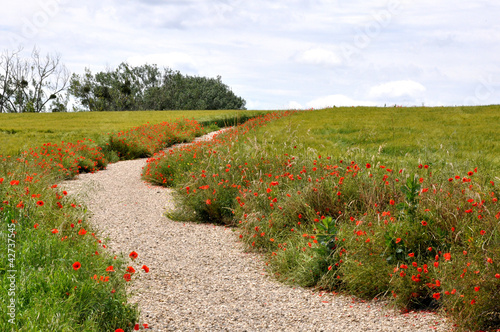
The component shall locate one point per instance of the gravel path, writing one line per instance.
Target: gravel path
(201, 279)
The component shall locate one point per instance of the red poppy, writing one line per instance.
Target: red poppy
(392, 202)
(76, 265)
(145, 268)
(119, 330)
(39, 203)
(130, 269)
(82, 232)
(477, 288)
(55, 231)
(424, 223)
(109, 269)
(436, 296)
(497, 275)
(14, 182)
(127, 277)
(1, 180)
(133, 255)
(447, 256)
(368, 165)
(36, 225)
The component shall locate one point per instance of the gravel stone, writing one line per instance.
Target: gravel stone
(201, 278)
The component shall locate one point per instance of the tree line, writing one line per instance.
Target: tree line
(44, 84)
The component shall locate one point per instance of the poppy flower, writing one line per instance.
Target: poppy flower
(436, 296)
(36, 225)
(76, 265)
(447, 256)
(145, 268)
(39, 203)
(119, 330)
(424, 223)
(109, 269)
(82, 232)
(14, 182)
(391, 202)
(133, 255)
(55, 231)
(130, 269)
(127, 277)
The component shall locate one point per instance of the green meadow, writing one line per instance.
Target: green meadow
(21, 131)
(437, 135)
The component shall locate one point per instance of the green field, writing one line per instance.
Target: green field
(19, 132)
(400, 203)
(441, 135)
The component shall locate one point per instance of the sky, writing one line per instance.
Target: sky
(282, 54)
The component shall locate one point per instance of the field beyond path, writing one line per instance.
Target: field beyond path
(201, 279)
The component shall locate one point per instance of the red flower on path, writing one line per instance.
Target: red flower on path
(130, 269)
(133, 255)
(145, 268)
(76, 265)
(127, 277)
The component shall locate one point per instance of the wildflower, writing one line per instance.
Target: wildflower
(36, 225)
(110, 269)
(208, 202)
(82, 232)
(392, 202)
(447, 256)
(133, 255)
(130, 269)
(14, 182)
(39, 203)
(436, 296)
(127, 277)
(55, 231)
(489, 260)
(424, 223)
(76, 265)
(145, 268)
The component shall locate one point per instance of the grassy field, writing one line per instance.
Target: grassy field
(395, 203)
(466, 135)
(19, 132)
(400, 203)
(55, 272)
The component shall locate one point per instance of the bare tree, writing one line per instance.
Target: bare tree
(28, 85)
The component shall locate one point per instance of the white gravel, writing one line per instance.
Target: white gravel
(201, 279)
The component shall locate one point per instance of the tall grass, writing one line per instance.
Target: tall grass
(411, 217)
(55, 272)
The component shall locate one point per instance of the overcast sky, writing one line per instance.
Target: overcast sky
(282, 53)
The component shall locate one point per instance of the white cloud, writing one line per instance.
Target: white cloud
(395, 89)
(319, 56)
(337, 100)
(276, 52)
(174, 60)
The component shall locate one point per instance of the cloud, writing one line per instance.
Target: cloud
(396, 89)
(174, 60)
(319, 56)
(337, 100)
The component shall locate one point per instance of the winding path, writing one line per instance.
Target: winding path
(201, 279)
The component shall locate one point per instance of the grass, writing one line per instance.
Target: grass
(398, 203)
(19, 132)
(55, 273)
